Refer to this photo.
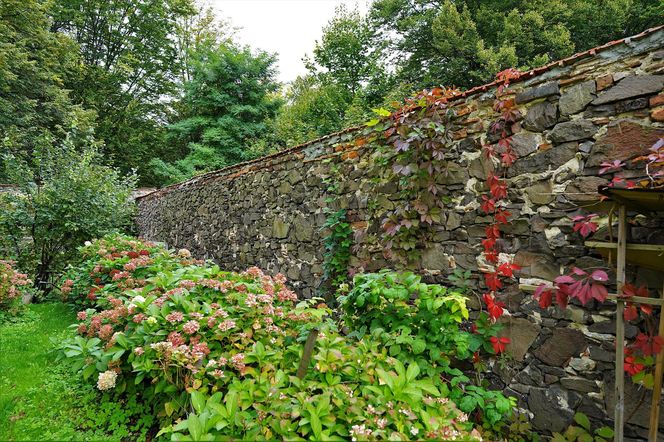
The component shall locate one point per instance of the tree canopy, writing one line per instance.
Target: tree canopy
(226, 107)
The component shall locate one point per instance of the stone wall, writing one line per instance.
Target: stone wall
(607, 103)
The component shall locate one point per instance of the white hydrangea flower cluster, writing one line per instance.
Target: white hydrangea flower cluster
(106, 380)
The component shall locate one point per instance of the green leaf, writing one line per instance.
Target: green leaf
(373, 122)
(605, 432)
(419, 345)
(198, 401)
(121, 339)
(412, 372)
(582, 420)
(382, 112)
(195, 427)
(88, 371)
(467, 404)
(316, 425)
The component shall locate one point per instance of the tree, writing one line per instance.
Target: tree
(227, 106)
(197, 34)
(348, 54)
(34, 65)
(346, 79)
(312, 109)
(465, 42)
(63, 197)
(130, 71)
(457, 40)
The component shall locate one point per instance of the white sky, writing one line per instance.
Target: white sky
(287, 27)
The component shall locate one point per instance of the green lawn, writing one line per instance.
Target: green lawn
(39, 398)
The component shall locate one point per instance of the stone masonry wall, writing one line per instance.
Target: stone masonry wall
(607, 103)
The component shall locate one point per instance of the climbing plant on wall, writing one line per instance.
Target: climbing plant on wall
(411, 145)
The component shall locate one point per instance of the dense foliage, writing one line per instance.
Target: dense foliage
(215, 353)
(128, 72)
(35, 108)
(464, 43)
(221, 118)
(421, 323)
(63, 196)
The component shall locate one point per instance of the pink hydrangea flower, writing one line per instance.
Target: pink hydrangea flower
(82, 316)
(237, 361)
(191, 327)
(176, 339)
(175, 317)
(105, 332)
(130, 266)
(227, 325)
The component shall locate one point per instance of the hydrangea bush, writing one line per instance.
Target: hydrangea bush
(216, 353)
(13, 285)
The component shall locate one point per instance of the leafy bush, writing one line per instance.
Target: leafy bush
(12, 287)
(64, 196)
(422, 323)
(216, 353)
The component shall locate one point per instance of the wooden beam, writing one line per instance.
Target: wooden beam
(306, 354)
(628, 246)
(619, 393)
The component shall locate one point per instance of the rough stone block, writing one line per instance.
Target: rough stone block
(584, 189)
(576, 98)
(632, 86)
(543, 160)
(542, 402)
(623, 140)
(563, 344)
(572, 131)
(525, 143)
(522, 334)
(280, 229)
(541, 116)
(533, 93)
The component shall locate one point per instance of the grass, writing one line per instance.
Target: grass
(41, 399)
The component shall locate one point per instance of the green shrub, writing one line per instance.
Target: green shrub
(63, 197)
(423, 324)
(216, 354)
(13, 285)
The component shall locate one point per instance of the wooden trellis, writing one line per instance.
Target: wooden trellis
(643, 255)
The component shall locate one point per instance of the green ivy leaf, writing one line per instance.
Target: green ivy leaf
(382, 112)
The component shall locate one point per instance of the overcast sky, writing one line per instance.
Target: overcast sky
(287, 27)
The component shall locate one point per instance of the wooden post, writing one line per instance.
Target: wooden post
(619, 394)
(657, 387)
(306, 354)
